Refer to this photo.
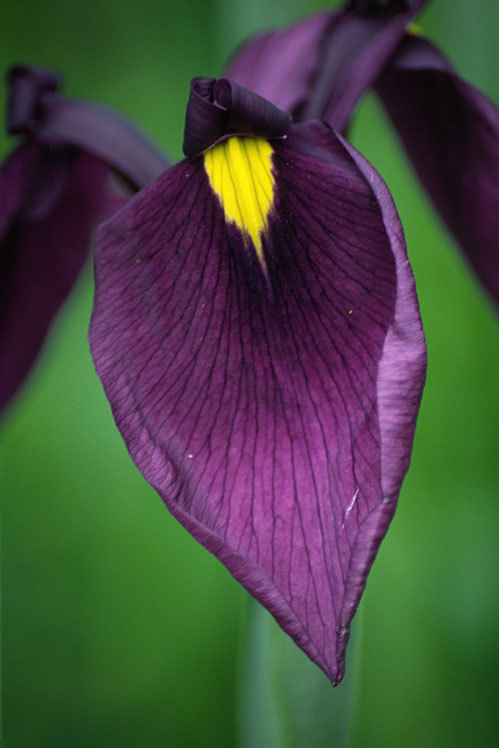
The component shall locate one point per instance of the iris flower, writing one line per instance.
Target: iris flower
(255, 323)
(257, 332)
(54, 188)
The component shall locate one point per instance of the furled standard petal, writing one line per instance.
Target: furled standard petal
(262, 351)
(49, 201)
(451, 132)
(217, 108)
(354, 53)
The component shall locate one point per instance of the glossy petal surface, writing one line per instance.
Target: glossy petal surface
(49, 202)
(451, 132)
(273, 411)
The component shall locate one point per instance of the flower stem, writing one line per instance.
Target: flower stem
(285, 701)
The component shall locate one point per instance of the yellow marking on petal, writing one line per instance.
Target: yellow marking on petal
(414, 30)
(240, 173)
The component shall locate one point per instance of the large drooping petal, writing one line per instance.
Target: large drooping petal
(321, 66)
(451, 132)
(49, 202)
(258, 336)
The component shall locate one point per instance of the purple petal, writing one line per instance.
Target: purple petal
(451, 132)
(35, 108)
(27, 86)
(52, 193)
(281, 65)
(49, 202)
(355, 51)
(320, 67)
(105, 134)
(272, 405)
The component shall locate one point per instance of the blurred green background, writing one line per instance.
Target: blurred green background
(119, 630)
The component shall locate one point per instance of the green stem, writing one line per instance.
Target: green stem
(285, 701)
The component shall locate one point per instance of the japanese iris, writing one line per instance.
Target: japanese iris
(255, 324)
(257, 332)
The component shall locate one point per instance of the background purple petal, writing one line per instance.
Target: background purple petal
(106, 135)
(49, 202)
(35, 108)
(400, 380)
(258, 407)
(281, 65)
(451, 132)
(354, 53)
(320, 67)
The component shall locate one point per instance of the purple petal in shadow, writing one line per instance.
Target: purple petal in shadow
(354, 52)
(49, 203)
(451, 132)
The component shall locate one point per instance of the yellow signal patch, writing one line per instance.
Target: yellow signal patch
(240, 173)
(415, 30)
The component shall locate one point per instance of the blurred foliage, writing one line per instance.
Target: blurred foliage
(119, 630)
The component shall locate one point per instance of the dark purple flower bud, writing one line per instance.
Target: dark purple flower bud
(54, 188)
(28, 87)
(257, 332)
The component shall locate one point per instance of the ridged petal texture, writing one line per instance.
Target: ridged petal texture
(451, 132)
(271, 404)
